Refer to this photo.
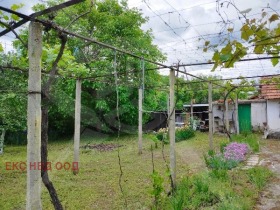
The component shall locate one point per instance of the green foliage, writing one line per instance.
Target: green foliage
(184, 133)
(249, 138)
(261, 33)
(259, 176)
(162, 135)
(158, 188)
(153, 138)
(111, 22)
(194, 193)
(217, 161)
(196, 90)
(13, 101)
(10, 17)
(221, 174)
(223, 144)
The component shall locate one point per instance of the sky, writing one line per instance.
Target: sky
(181, 27)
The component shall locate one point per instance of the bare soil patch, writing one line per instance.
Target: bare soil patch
(102, 147)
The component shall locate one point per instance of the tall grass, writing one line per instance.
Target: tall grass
(259, 176)
(251, 139)
(236, 189)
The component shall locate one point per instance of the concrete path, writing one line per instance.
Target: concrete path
(252, 161)
(270, 157)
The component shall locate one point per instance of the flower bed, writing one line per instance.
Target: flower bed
(236, 151)
(232, 154)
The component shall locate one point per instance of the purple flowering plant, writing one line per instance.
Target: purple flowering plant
(236, 151)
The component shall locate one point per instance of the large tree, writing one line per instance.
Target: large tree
(109, 22)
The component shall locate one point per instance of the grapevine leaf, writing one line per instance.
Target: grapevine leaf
(274, 61)
(274, 17)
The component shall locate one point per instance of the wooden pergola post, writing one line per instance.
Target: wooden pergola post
(210, 115)
(236, 115)
(77, 132)
(172, 128)
(140, 129)
(226, 114)
(33, 198)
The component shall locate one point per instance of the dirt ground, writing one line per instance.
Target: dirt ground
(270, 157)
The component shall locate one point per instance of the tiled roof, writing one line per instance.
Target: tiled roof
(269, 91)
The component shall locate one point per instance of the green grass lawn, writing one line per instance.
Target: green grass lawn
(96, 186)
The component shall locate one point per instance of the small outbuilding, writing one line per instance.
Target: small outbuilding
(260, 113)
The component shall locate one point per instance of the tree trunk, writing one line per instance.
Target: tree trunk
(44, 156)
(33, 198)
(45, 127)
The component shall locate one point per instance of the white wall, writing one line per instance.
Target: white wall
(273, 115)
(258, 115)
(219, 113)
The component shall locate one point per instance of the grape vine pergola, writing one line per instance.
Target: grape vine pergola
(34, 149)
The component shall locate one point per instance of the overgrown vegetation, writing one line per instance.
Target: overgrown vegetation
(259, 176)
(184, 133)
(181, 134)
(234, 190)
(96, 186)
(251, 139)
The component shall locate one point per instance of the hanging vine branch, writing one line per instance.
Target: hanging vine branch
(44, 135)
(119, 126)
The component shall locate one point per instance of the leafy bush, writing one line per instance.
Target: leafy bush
(218, 161)
(162, 134)
(184, 133)
(232, 154)
(181, 134)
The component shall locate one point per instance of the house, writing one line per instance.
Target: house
(271, 93)
(251, 116)
(260, 113)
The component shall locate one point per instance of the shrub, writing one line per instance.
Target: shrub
(218, 161)
(184, 133)
(162, 134)
(232, 154)
(181, 134)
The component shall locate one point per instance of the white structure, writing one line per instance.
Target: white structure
(220, 117)
(264, 115)
(257, 113)
(273, 116)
